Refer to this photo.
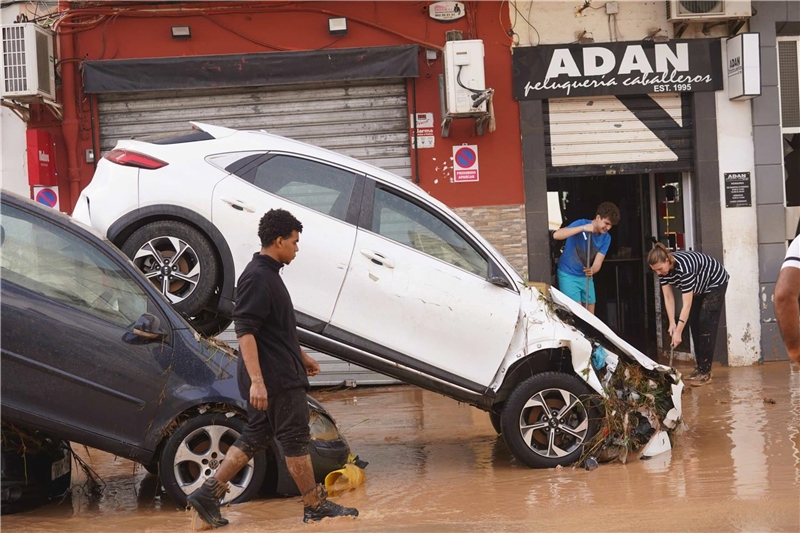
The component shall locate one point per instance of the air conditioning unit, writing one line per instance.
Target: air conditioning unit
(27, 66)
(465, 84)
(707, 10)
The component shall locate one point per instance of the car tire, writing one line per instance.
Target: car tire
(534, 435)
(151, 247)
(494, 418)
(194, 451)
(210, 324)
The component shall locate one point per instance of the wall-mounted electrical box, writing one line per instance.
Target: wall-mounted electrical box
(465, 83)
(27, 64)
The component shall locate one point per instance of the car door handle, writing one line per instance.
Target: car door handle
(238, 205)
(378, 259)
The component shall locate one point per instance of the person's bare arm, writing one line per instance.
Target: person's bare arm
(595, 268)
(565, 233)
(669, 305)
(680, 323)
(258, 390)
(311, 364)
(787, 310)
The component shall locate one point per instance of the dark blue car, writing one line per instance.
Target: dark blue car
(92, 353)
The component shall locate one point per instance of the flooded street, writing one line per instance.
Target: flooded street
(436, 465)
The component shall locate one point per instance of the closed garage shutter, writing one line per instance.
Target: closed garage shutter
(367, 121)
(629, 134)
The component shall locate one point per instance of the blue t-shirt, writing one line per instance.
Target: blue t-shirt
(573, 260)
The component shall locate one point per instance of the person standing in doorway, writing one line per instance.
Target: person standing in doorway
(787, 301)
(584, 252)
(272, 376)
(702, 281)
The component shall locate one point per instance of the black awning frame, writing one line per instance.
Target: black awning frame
(250, 70)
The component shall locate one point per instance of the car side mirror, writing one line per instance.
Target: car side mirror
(148, 328)
(500, 282)
(496, 278)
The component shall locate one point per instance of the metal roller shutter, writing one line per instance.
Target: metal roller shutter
(367, 121)
(644, 133)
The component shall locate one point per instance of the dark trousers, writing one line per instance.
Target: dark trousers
(703, 324)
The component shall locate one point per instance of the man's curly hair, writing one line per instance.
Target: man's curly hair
(610, 211)
(277, 223)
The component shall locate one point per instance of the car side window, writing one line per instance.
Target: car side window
(402, 221)
(50, 261)
(320, 187)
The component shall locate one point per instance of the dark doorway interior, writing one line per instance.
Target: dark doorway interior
(623, 285)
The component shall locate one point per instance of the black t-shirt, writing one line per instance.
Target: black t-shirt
(264, 309)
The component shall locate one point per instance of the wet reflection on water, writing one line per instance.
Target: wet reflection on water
(436, 465)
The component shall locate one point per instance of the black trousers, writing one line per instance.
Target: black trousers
(704, 323)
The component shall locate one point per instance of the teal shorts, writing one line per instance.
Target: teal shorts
(575, 287)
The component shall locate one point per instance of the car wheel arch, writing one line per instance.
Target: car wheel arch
(545, 360)
(125, 226)
(157, 440)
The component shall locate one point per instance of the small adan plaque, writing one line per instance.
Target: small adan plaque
(737, 189)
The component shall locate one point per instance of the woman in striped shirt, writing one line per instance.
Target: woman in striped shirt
(702, 281)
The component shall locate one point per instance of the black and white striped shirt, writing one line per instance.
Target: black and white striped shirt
(695, 272)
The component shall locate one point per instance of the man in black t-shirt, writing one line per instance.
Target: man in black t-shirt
(272, 375)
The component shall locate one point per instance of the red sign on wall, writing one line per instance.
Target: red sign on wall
(41, 163)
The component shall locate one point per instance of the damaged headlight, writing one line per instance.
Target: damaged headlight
(322, 427)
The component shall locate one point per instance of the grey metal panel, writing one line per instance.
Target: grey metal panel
(333, 371)
(602, 130)
(366, 121)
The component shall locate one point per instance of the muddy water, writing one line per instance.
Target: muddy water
(437, 466)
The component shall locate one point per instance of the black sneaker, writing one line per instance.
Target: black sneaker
(702, 379)
(326, 509)
(205, 501)
(693, 376)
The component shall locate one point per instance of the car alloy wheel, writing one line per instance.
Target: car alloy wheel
(200, 455)
(195, 451)
(547, 420)
(181, 262)
(554, 423)
(171, 264)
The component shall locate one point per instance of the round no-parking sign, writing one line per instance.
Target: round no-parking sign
(47, 196)
(465, 163)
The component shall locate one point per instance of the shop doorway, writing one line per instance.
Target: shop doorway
(624, 285)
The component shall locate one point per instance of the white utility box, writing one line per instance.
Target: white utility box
(27, 62)
(464, 78)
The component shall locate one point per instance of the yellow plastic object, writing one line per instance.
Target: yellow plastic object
(344, 479)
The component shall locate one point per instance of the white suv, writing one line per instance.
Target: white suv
(387, 277)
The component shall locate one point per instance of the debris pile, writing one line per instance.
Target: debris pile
(637, 408)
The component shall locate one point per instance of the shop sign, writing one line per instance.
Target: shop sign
(557, 71)
(744, 66)
(737, 189)
(446, 11)
(465, 163)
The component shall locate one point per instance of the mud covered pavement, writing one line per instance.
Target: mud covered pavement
(436, 465)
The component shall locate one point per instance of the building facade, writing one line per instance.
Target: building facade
(776, 133)
(668, 149)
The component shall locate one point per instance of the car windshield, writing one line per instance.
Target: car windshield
(50, 261)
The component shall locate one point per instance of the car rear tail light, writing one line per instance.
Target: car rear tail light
(129, 158)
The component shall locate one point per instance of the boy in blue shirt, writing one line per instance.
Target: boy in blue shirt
(585, 235)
